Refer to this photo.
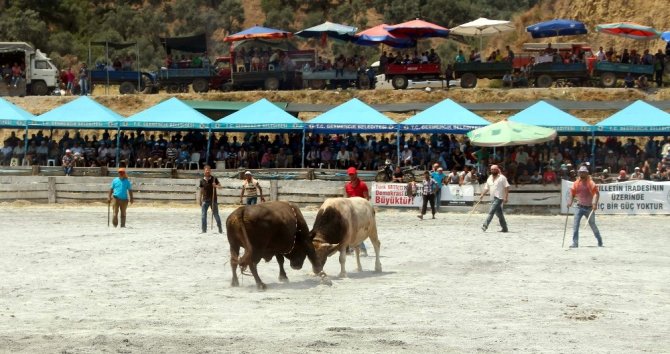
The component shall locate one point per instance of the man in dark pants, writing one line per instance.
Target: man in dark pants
(120, 189)
(208, 198)
(499, 187)
(428, 192)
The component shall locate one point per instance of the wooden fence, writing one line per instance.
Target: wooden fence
(61, 189)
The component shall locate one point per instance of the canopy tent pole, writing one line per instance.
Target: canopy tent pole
(593, 151)
(397, 145)
(107, 66)
(139, 74)
(25, 143)
(118, 146)
(304, 133)
(209, 143)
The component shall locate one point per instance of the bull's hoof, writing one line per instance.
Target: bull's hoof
(325, 280)
(342, 275)
(261, 286)
(378, 268)
(235, 283)
(283, 279)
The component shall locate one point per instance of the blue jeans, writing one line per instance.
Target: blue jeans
(83, 85)
(252, 200)
(580, 211)
(67, 170)
(497, 209)
(438, 198)
(215, 210)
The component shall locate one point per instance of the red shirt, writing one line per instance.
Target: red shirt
(358, 190)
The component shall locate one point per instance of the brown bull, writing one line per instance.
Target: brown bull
(273, 229)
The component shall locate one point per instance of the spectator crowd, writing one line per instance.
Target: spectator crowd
(615, 159)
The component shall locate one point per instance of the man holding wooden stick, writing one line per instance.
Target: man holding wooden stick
(587, 195)
(120, 189)
(208, 185)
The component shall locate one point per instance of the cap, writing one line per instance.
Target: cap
(68, 150)
(605, 171)
(584, 169)
(351, 171)
(440, 169)
(406, 146)
(637, 168)
(122, 170)
(247, 173)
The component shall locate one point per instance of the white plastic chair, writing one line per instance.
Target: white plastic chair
(195, 159)
(51, 162)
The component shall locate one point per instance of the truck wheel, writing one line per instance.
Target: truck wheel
(127, 88)
(146, 86)
(200, 85)
(399, 82)
(271, 84)
(227, 87)
(608, 79)
(468, 80)
(363, 82)
(544, 81)
(39, 88)
(317, 84)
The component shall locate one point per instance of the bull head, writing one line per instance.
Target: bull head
(324, 250)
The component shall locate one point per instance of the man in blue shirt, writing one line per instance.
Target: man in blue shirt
(438, 175)
(120, 189)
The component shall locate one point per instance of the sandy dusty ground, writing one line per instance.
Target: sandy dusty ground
(69, 284)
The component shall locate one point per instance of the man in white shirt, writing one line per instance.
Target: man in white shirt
(343, 157)
(406, 156)
(600, 54)
(499, 187)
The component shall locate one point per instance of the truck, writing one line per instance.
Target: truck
(400, 74)
(178, 80)
(129, 82)
(230, 77)
(468, 73)
(40, 75)
(609, 72)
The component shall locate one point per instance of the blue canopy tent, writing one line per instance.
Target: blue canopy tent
(640, 118)
(12, 116)
(350, 116)
(545, 115)
(82, 113)
(264, 116)
(444, 117)
(171, 114)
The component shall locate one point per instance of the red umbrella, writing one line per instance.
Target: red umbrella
(377, 34)
(258, 32)
(418, 29)
(629, 30)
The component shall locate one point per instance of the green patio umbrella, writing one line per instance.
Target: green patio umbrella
(507, 133)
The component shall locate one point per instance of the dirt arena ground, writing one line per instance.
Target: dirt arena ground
(69, 284)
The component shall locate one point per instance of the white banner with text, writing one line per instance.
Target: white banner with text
(632, 197)
(395, 195)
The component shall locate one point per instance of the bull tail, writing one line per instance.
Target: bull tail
(243, 237)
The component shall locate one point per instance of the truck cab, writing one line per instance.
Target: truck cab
(39, 74)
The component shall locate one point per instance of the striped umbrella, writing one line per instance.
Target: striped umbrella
(628, 30)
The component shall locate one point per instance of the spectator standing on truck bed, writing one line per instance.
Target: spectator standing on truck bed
(83, 79)
(16, 74)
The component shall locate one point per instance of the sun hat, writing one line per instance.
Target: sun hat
(351, 171)
(584, 169)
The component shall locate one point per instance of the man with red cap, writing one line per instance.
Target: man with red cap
(357, 188)
(120, 189)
